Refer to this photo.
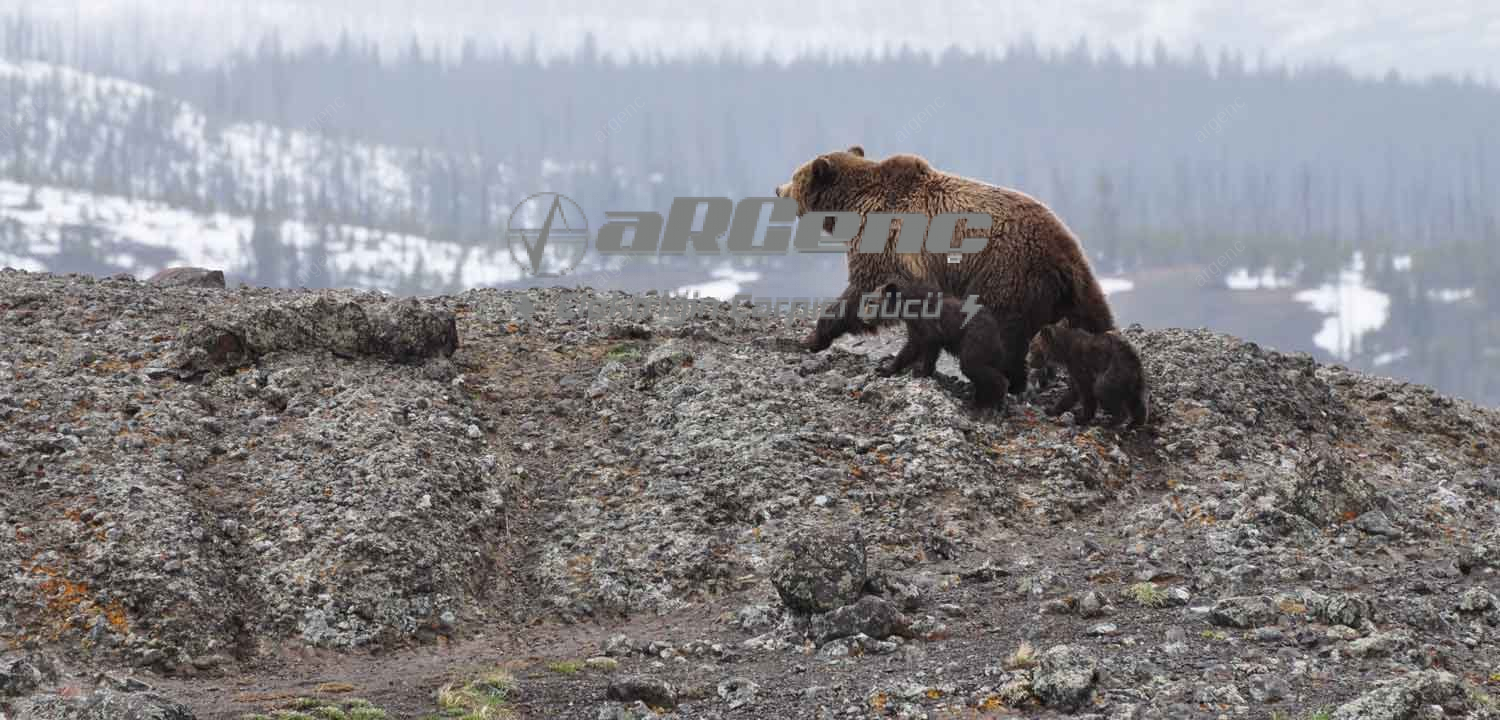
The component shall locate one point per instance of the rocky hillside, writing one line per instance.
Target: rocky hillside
(215, 500)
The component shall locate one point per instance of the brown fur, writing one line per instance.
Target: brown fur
(983, 344)
(1032, 272)
(1103, 369)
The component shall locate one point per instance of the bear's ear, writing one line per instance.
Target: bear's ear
(823, 171)
(891, 288)
(1047, 333)
(856, 151)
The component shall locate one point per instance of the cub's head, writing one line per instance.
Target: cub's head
(1042, 352)
(846, 180)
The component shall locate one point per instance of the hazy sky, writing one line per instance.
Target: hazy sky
(1370, 37)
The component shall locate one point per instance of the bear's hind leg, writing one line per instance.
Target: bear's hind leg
(989, 385)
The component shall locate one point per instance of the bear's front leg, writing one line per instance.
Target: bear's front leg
(1066, 402)
(909, 354)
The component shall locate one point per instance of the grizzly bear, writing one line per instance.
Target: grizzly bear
(1103, 369)
(982, 343)
(1032, 271)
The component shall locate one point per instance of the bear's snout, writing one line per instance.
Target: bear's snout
(781, 190)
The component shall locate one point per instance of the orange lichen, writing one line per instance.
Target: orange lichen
(114, 614)
(63, 598)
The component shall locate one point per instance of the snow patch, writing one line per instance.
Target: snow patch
(1450, 295)
(1353, 309)
(727, 282)
(1386, 358)
(1113, 285)
(1241, 279)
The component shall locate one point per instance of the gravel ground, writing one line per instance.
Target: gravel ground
(222, 498)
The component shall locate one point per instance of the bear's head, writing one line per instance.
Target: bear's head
(1042, 352)
(848, 181)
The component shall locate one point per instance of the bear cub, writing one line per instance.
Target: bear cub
(984, 345)
(1103, 370)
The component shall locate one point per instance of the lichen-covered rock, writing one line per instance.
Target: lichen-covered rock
(24, 675)
(402, 331)
(103, 705)
(654, 692)
(1243, 612)
(1405, 698)
(869, 615)
(1348, 609)
(665, 359)
(1065, 677)
(821, 573)
(195, 277)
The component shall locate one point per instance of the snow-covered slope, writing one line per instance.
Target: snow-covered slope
(90, 131)
(102, 175)
(44, 228)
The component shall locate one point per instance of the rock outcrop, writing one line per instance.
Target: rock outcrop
(196, 481)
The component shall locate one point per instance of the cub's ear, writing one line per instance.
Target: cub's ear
(1047, 333)
(856, 151)
(891, 288)
(1065, 323)
(823, 171)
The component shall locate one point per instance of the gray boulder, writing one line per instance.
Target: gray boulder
(1065, 677)
(821, 573)
(1404, 699)
(188, 277)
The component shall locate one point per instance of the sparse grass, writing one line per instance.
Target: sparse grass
(602, 664)
(484, 698)
(1322, 713)
(623, 352)
(1023, 657)
(1214, 635)
(565, 667)
(1147, 594)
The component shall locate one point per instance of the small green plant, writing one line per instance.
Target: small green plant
(1214, 635)
(1321, 714)
(565, 667)
(1147, 594)
(1024, 657)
